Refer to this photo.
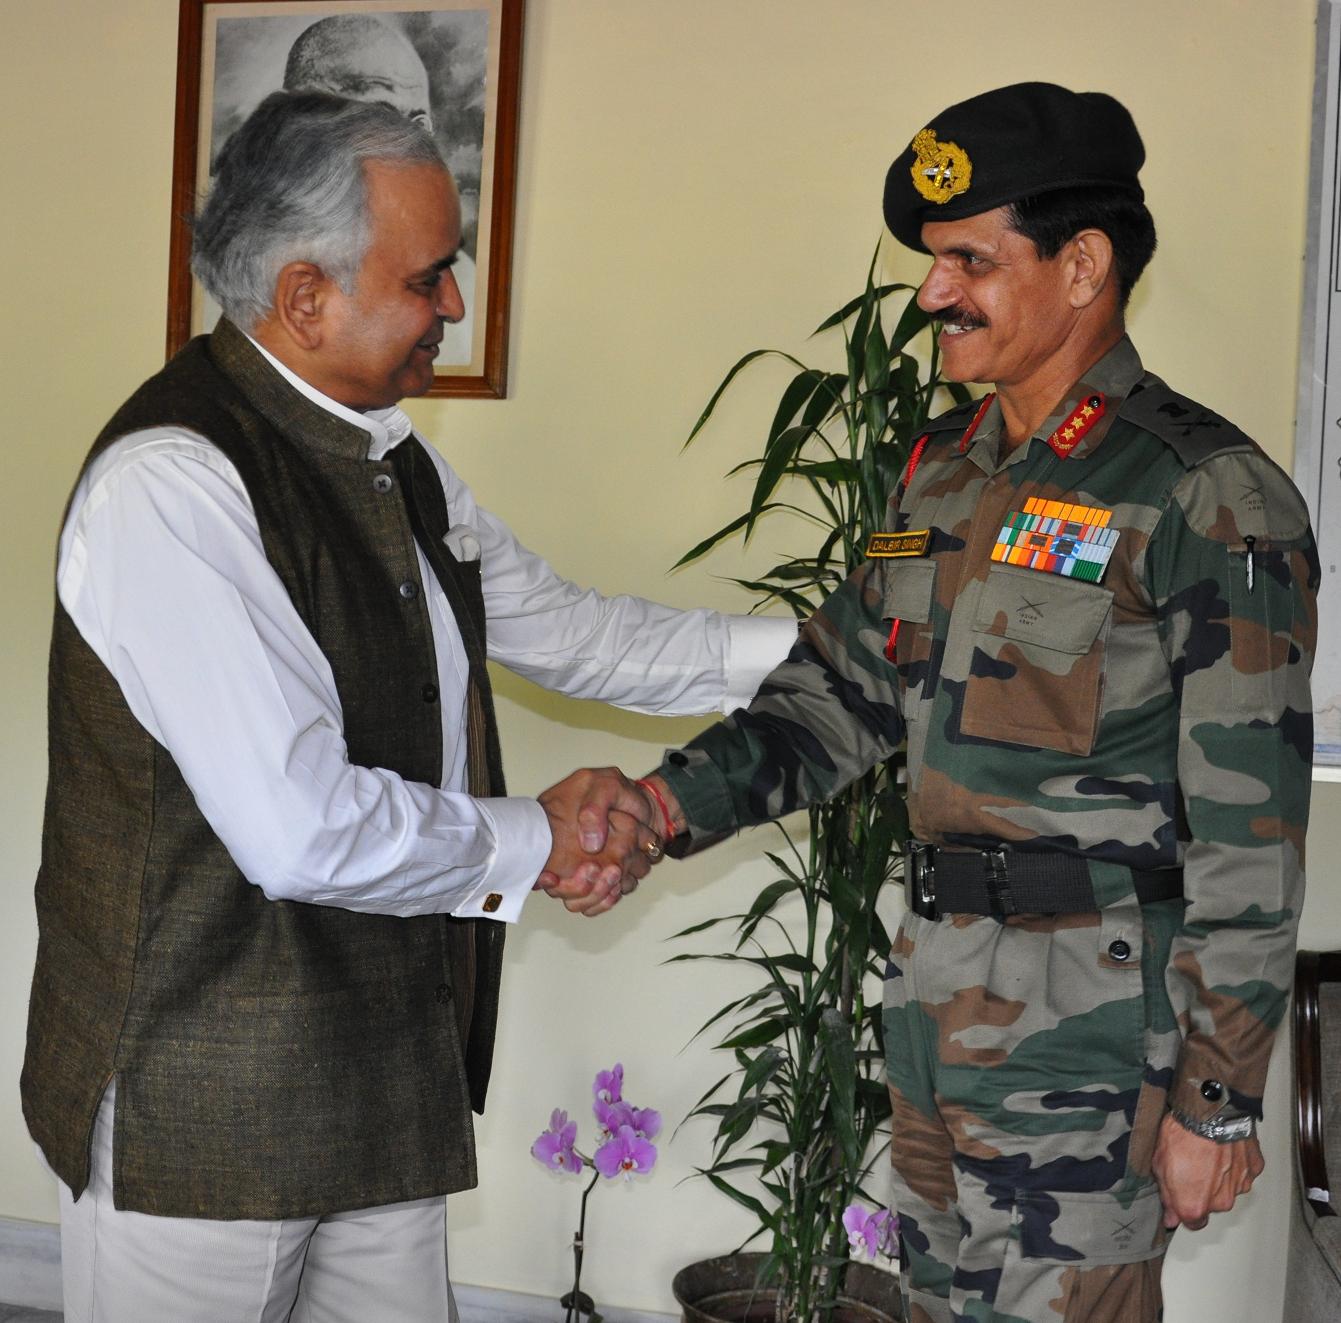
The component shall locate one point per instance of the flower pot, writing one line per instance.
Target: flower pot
(723, 1291)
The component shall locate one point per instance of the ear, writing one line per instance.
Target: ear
(302, 292)
(1091, 266)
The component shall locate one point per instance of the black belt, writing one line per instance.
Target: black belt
(1003, 882)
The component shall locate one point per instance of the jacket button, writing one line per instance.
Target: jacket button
(383, 483)
(430, 693)
(1212, 1090)
(1119, 949)
(443, 994)
(409, 590)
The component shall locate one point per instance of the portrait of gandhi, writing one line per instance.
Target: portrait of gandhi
(429, 64)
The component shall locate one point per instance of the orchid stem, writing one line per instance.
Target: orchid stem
(574, 1300)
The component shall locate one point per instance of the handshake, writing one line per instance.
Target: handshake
(608, 832)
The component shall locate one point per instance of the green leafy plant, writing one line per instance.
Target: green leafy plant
(804, 1110)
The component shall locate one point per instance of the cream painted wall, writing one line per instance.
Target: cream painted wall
(697, 178)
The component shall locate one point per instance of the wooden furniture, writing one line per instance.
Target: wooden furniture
(1313, 1280)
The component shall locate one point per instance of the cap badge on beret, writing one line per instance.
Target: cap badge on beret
(940, 170)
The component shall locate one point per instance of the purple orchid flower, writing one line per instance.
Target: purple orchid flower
(871, 1232)
(645, 1122)
(608, 1086)
(625, 1154)
(610, 1116)
(555, 1147)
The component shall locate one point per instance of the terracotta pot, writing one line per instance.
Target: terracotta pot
(723, 1291)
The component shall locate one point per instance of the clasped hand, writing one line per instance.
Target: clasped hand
(604, 843)
(1198, 1177)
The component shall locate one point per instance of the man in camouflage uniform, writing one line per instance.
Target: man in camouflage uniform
(1092, 622)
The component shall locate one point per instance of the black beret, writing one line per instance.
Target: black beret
(1007, 144)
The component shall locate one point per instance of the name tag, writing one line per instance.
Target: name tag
(889, 545)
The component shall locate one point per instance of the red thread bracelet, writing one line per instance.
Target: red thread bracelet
(661, 804)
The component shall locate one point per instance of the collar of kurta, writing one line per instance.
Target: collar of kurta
(1079, 423)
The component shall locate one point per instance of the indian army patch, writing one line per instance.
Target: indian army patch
(890, 545)
(940, 170)
(1058, 538)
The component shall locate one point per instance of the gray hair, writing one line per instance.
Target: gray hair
(289, 186)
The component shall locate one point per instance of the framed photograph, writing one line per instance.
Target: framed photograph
(454, 65)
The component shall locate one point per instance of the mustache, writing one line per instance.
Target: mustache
(956, 315)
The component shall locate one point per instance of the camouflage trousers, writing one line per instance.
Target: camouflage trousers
(1027, 1063)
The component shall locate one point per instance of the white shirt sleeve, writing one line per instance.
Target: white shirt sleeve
(628, 651)
(162, 570)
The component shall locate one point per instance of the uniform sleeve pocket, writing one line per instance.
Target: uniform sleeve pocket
(908, 588)
(1262, 641)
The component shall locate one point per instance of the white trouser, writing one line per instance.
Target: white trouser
(373, 1265)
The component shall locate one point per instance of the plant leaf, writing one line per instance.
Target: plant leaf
(722, 534)
(846, 311)
(841, 1068)
(781, 450)
(739, 366)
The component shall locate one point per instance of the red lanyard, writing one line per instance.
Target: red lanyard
(913, 461)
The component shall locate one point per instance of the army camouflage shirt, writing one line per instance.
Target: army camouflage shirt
(1104, 647)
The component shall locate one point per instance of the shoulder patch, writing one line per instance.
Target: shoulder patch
(1241, 495)
(1193, 432)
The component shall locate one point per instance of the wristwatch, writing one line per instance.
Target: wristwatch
(1221, 1129)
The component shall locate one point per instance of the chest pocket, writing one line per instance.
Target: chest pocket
(908, 586)
(909, 590)
(1037, 670)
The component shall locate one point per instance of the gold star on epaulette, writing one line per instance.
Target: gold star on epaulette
(1076, 425)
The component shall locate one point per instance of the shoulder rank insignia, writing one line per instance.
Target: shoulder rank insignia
(1058, 538)
(940, 170)
(1074, 427)
(890, 545)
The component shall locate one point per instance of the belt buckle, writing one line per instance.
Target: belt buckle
(919, 884)
(996, 876)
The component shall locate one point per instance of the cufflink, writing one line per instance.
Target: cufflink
(492, 902)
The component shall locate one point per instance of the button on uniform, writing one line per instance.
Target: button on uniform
(409, 590)
(383, 483)
(1119, 950)
(1212, 1090)
(429, 693)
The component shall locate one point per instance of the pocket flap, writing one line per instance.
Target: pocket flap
(1049, 610)
(1107, 1227)
(909, 585)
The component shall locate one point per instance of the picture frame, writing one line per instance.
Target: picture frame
(453, 64)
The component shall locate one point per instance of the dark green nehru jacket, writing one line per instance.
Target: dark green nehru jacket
(273, 1059)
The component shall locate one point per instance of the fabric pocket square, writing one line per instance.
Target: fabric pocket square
(462, 541)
